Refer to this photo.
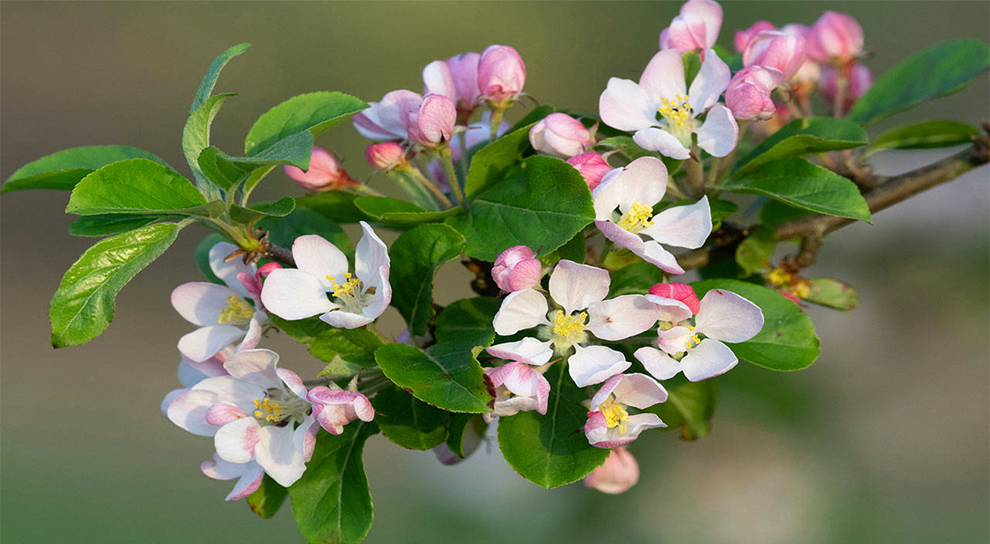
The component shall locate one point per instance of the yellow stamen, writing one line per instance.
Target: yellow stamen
(801, 289)
(568, 325)
(615, 414)
(350, 287)
(636, 218)
(676, 111)
(238, 311)
(778, 277)
(267, 410)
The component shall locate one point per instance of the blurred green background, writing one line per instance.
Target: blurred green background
(885, 439)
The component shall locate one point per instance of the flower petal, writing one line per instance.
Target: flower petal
(663, 77)
(729, 317)
(528, 350)
(248, 483)
(626, 106)
(370, 256)
(277, 453)
(521, 310)
(595, 364)
(639, 391)
(577, 286)
(292, 381)
(653, 252)
(719, 134)
(235, 441)
(345, 320)
(205, 342)
(655, 139)
(660, 365)
(621, 236)
(671, 310)
(227, 271)
(221, 414)
(682, 226)
(294, 294)
(200, 302)
(255, 366)
(621, 317)
(317, 256)
(189, 412)
(708, 359)
(709, 84)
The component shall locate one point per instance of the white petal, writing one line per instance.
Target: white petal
(671, 311)
(682, 226)
(577, 286)
(528, 350)
(316, 255)
(708, 359)
(276, 452)
(293, 294)
(189, 412)
(595, 364)
(253, 335)
(709, 84)
(653, 252)
(625, 105)
(248, 483)
(621, 236)
(200, 302)
(674, 340)
(235, 441)
(663, 77)
(189, 375)
(513, 405)
(643, 181)
(639, 391)
(521, 310)
(205, 342)
(345, 320)
(438, 79)
(170, 396)
(660, 365)
(292, 381)
(720, 132)
(227, 271)
(256, 366)
(232, 391)
(621, 317)
(655, 139)
(729, 317)
(218, 469)
(607, 196)
(640, 422)
(370, 256)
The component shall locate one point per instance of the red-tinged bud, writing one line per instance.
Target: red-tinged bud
(619, 472)
(678, 291)
(385, 156)
(835, 38)
(696, 27)
(516, 269)
(744, 36)
(748, 94)
(324, 174)
(560, 135)
(433, 125)
(267, 268)
(501, 75)
(776, 49)
(592, 167)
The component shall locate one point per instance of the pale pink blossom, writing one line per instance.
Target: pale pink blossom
(860, 80)
(835, 38)
(619, 472)
(624, 214)
(248, 475)
(433, 124)
(748, 94)
(519, 387)
(457, 79)
(560, 135)
(324, 174)
(743, 36)
(516, 269)
(389, 118)
(334, 407)
(385, 156)
(501, 75)
(696, 27)
(775, 49)
(695, 345)
(609, 424)
(807, 76)
(592, 167)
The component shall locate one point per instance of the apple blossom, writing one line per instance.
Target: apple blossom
(517, 269)
(457, 79)
(743, 37)
(248, 475)
(389, 118)
(334, 407)
(722, 316)
(257, 413)
(696, 27)
(860, 80)
(560, 135)
(627, 105)
(619, 472)
(748, 94)
(359, 298)
(433, 124)
(224, 314)
(324, 174)
(835, 38)
(385, 156)
(519, 387)
(634, 190)
(775, 49)
(609, 424)
(592, 167)
(501, 75)
(579, 291)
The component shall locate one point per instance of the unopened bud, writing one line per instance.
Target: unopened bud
(324, 174)
(775, 49)
(678, 291)
(748, 94)
(385, 156)
(592, 167)
(744, 36)
(560, 135)
(619, 472)
(835, 38)
(433, 125)
(516, 269)
(501, 74)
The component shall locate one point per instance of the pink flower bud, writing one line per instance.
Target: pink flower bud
(437, 79)
(501, 74)
(266, 269)
(678, 291)
(619, 472)
(748, 94)
(434, 123)
(560, 135)
(464, 70)
(835, 38)
(516, 269)
(385, 156)
(324, 174)
(592, 167)
(860, 81)
(775, 49)
(744, 36)
(696, 27)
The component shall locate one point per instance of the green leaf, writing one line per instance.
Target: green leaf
(293, 150)
(490, 164)
(468, 320)
(635, 279)
(416, 256)
(774, 213)
(315, 113)
(283, 231)
(935, 71)
(202, 256)
(213, 73)
(692, 65)
(135, 186)
(833, 293)
(346, 351)
(787, 341)
(268, 498)
(690, 407)
(466, 432)
(214, 164)
(626, 146)
(408, 422)
(541, 202)
(99, 226)
(331, 501)
(929, 134)
(756, 251)
(551, 450)
(447, 376)
(63, 170)
(574, 250)
(798, 183)
(279, 208)
(83, 306)
(393, 211)
(336, 206)
(196, 133)
(720, 210)
(803, 136)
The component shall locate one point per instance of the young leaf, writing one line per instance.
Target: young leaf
(135, 186)
(313, 112)
(83, 306)
(490, 163)
(196, 133)
(690, 407)
(447, 376)
(213, 73)
(541, 202)
(294, 150)
(801, 184)
(551, 450)
(416, 256)
(331, 501)
(466, 431)
(346, 351)
(788, 340)
(935, 71)
(468, 320)
(399, 213)
(408, 422)
(279, 208)
(925, 135)
(268, 498)
(832, 293)
(720, 210)
(63, 170)
(98, 226)
(755, 252)
(803, 136)
(336, 206)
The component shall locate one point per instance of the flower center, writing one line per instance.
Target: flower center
(351, 293)
(694, 340)
(636, 218)
(676, 111)
(267, 410)
(615, 414)
(570, 327)
(238, 312)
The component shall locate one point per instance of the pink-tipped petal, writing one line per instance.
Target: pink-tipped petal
(235, 441)
(681, 292)
(222, 414)
(639, 391)
(528, 350)
(619, 473)
(728, 317)
(708, 359)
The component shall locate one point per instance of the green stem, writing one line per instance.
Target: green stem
(495, 121)
(447, 160)
(696, 172)
(463, 163)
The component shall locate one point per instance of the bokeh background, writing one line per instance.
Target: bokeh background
(884, 439)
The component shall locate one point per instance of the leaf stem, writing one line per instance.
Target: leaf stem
(447, 160)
